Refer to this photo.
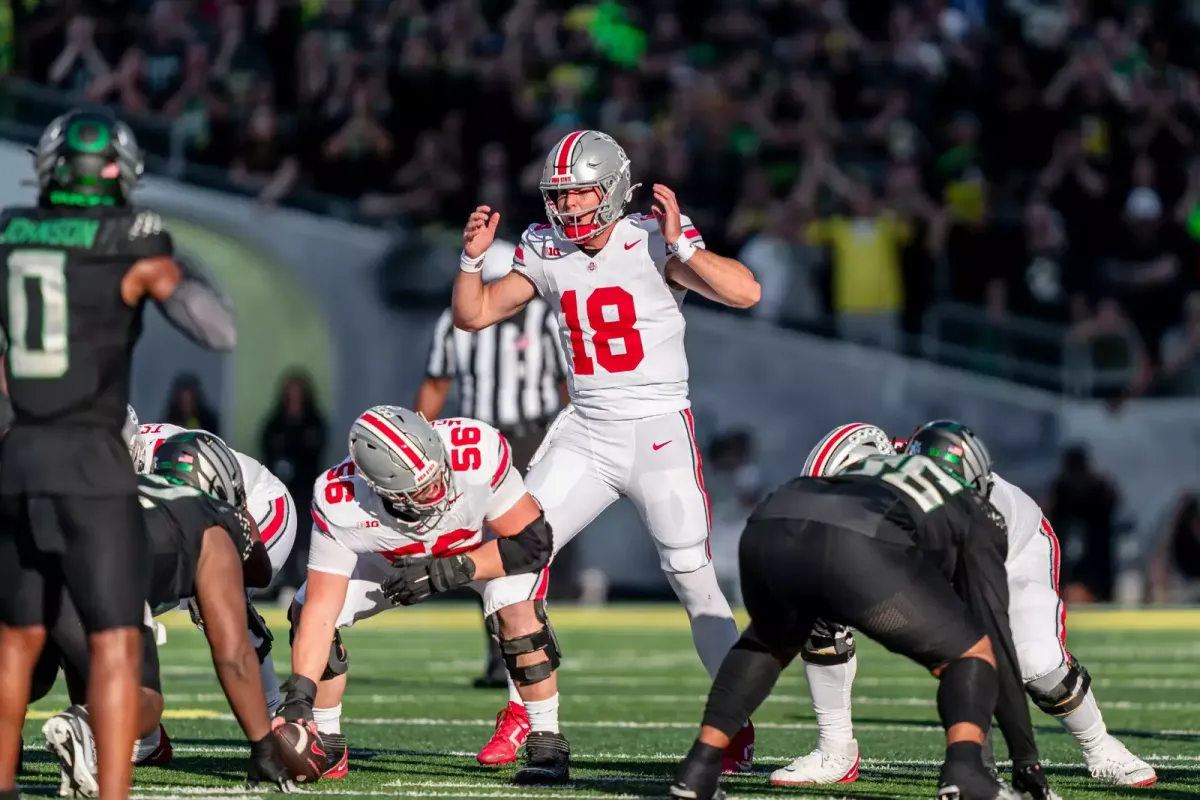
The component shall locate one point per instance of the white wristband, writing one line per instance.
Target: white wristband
(682, 249)
(468, 264)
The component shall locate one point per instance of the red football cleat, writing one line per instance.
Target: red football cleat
(512, 729)
(337, 755)
(162, 754)
(739, 755)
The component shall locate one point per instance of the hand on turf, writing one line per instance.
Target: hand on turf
(267, 767)
(1032, 780)
(417, 578)
(480, 231)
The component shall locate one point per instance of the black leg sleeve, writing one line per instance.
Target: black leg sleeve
(746, 678)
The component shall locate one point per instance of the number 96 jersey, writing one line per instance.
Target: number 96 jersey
(618, 317)
(351, 521)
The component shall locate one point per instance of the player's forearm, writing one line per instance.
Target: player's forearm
(730, 280)
(201, 313)
(469, 306)
(238, 672)
(310, 651)
(487, 562)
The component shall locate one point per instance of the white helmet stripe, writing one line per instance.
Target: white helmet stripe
(818, 459)
(397, 438)
(562, 161)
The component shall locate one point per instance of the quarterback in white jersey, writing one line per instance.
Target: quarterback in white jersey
(411, 495)
(1055, 681)
(616, 282)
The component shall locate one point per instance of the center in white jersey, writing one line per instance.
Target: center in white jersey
(619, 319)
(353, 520)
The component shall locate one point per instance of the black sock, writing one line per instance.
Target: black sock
(965, 752)
(10, 794)
(704, 753)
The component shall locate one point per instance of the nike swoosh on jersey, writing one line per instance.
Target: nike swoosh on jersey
(658, 446)
(631, 245)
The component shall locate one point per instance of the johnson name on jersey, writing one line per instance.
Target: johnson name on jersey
(266, 496)
(352, 520)
(618, 317)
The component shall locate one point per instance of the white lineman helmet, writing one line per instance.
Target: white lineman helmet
(132, 436)
(845, 445)
(401, 457)
(585, 160)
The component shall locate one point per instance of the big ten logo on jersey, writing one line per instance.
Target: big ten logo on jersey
(927, 484)
(611, 320)
(464, 442)
(339, 489)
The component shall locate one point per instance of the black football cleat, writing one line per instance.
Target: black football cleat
(547, 760)
(697, 780)
(962, 781)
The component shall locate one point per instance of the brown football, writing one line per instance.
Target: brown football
(301, 752)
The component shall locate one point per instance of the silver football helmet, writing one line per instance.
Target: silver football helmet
(845, 445)
(585, 160)
(956, 449)
(401, 457)
(201, 460)
(131, 434)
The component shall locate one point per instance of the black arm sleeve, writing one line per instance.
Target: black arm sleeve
(983, 584)
(200, 312)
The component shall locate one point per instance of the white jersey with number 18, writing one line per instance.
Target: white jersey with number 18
(619, 319)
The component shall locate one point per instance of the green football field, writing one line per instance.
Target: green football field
(633, 691)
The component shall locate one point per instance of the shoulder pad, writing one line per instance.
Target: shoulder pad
(337, 494)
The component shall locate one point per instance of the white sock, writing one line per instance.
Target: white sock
(829, 687)
(543, 714)
(1086, 723)
(270, 685)
(329, 720)
(146, 745)
(514, 696)
(713, 629)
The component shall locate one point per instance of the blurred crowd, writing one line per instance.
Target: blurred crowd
(1033, 158)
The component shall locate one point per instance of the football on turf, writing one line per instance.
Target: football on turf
(301, 752)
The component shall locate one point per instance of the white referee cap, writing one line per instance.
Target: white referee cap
(497, 262)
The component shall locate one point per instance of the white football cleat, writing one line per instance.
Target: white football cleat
(839, 764)
(69, 737)
(1110, 761)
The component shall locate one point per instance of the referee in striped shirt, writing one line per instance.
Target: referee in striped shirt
(512, 376)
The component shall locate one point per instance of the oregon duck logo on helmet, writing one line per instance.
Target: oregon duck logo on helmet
(86, 158)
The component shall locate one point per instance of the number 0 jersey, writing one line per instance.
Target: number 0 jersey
(349, 519)
(70, 335)
(619, 319)
(266, 496)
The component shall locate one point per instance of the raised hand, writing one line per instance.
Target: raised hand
(480, 231)
(666, 208)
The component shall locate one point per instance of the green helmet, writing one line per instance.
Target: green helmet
(86, 158)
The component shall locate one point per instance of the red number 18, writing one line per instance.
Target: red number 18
(604, 331)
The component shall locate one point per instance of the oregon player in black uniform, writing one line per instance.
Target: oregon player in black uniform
(907, 550)
(206, 546)
(77, 269)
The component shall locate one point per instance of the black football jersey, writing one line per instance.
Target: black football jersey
(176, 519)
(69, 334)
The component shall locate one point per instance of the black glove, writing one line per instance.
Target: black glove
(267, 767)
(299, 694)
(417, 578)
(1031, 780)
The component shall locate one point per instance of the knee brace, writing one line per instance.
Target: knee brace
(542, 640)
(1062, 690)
(829, 644)
(339, 659)
(967, 692)
(258, 627)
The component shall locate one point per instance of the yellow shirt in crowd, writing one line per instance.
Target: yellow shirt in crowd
(866, 261)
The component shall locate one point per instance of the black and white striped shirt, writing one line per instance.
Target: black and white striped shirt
(508, 373)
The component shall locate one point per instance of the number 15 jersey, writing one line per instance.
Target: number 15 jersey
(619, 319)
(350, 520)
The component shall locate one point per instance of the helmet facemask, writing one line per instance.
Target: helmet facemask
(571, 225)
(426, 504)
